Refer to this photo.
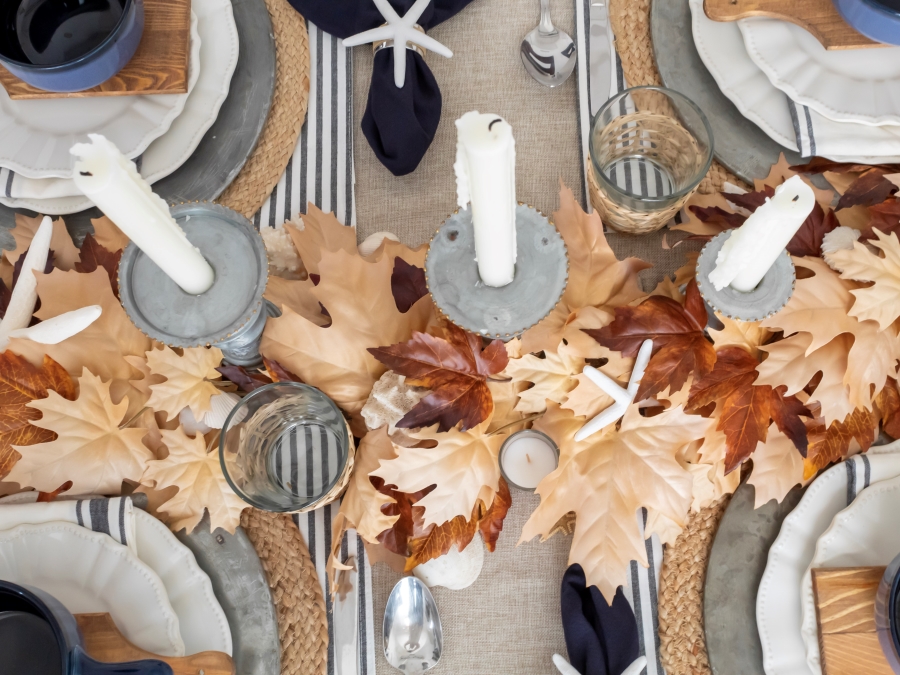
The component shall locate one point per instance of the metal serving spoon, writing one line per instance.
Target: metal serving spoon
(547, 52)
(413, 639)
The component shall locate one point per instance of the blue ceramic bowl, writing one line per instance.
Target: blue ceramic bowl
(878, 20)
(887, 614)
(68, 45)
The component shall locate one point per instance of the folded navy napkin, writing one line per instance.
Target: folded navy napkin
(602, 639)
(399, 124)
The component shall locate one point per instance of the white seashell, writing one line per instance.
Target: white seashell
(373, 241)
(455, 570)
(840, 238)
(190, 424)
(55, 330)
(220, 407)
(24, 295)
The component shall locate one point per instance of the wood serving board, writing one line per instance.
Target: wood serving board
(159, 66)
(819, 17)
(104, 642)
(845, 608)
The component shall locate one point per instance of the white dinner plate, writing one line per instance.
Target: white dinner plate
(218, 57)
(91, 572)
(846, 85)
(863, 535)
(779, 613)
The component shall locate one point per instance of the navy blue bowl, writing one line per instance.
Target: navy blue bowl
(887, 614)
(68, 45)
(878, 20)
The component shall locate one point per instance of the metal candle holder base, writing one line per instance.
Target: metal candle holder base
(231, 315)
(542, 270)
(772, 293)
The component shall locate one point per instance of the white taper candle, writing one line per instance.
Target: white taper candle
(113, 183)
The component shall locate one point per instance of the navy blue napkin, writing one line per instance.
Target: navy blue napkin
(601, 639)
(399, 124)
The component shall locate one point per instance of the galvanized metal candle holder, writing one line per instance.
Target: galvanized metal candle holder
(542, 271)
(772, 293)
(231, 315)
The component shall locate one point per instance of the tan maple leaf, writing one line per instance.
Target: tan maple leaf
(357, 295)
(552, 377)
(606, 478)
(90, 450)
(748, 335)
(877, 302)
(200, 482)
(100, 348)
(777, 468)
(187, 379)
(108, 235)
(597, 279)
(65, 254)
(463, 465)
(711, 483)
(587, 399)
(297, 295)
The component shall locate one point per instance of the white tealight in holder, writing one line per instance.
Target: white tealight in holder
(526, 457)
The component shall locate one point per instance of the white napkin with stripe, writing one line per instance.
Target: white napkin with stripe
(818, 136)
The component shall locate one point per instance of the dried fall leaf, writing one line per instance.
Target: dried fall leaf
(884, 217)
(888, 404)
(808, 239)
(454, 369)
(606, 478)
(93, 255)
(90, 450)
(777, 468)
(319, 231)
(108, 235)
(463, 466)
(491, 522)
(699, 206)
(357, 295)
(65, 253)
(407, 284)
(748, 335)
(832, 444)
(711, 482)
(680, 347)
(20, 384)
(869, 189)
(200, 482)
(781, 171)
(396, 538)
(596, 279)
(187, 379)
(439, 539)
(297, 295)
(246, 380)
(587, 399)
(552, 377)
(821, 165)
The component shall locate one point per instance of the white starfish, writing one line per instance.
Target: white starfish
(401, 31)
(622, 396)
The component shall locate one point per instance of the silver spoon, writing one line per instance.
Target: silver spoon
(413, 639)
(547, 52)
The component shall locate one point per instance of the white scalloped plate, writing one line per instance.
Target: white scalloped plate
(91, 572)
(846, 85)
(779, 608)
(863, 535)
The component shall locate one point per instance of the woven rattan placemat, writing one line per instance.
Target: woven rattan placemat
(278, 139)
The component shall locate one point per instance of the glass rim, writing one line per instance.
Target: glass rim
(605, 183)
(506, 443)
(299, 386)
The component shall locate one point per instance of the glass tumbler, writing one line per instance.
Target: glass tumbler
(649, 149)
(286, 448)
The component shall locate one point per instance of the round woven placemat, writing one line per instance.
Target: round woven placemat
(299, 604)
(278, 139)
(681, 639)
(631, 26)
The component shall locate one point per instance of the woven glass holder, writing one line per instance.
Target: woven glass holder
(341, 485)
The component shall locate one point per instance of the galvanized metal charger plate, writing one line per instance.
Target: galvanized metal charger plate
(228, 142)
(240, 585)
(735, 567)
(542, 270)
(740, 145)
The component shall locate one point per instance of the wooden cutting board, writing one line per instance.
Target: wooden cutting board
(159, 66)
(104, 642)
(845, 608)
(819, 17)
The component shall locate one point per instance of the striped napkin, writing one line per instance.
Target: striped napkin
(843, 141)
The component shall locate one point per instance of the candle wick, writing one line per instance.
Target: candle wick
(795, 198)
(85, 173)
(528, 457)
(491, 125)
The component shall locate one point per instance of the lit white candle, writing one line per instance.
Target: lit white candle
(24, 295)
(486, 176)
(753, 248)
(526, 457)
(112, 182)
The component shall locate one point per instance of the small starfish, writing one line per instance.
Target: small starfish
(401, 31)
(622, 396)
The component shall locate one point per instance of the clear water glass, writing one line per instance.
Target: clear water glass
(284, 447)
(649, 148)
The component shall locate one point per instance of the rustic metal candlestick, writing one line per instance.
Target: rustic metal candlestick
(542, 270)
(772, 293)
(231, 315)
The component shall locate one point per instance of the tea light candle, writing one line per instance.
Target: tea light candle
(112, 182)
(486, 176)
(527, 457)
(753, 248)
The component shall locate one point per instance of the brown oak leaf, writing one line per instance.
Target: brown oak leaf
(93, 255)
(680, 347)
(455, 369)
(821, 165)
(832, 444)
(407, 284)
(869, 189)
(884, 217)
(808, 239)
(888, 404)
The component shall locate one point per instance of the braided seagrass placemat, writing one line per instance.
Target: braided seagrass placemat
(631, 26)
(299, 604)
(278, 139)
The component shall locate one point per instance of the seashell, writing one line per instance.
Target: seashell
(454, 570)
(840, 238)
(55, 330)
(24, 295)
(220, 407)
(373, 241)
(391, 399)
(190, 425)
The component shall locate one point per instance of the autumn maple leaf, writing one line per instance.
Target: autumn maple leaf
(831, 443)
(65, 253)
(93, 255)
(186, 382)
(680, 347)
(455, 369)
